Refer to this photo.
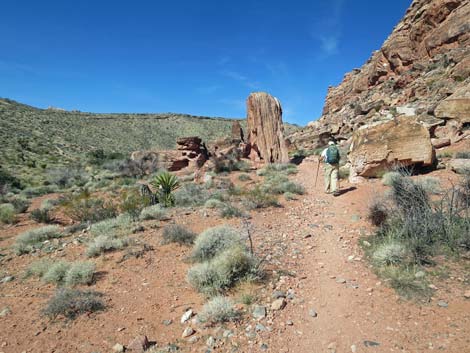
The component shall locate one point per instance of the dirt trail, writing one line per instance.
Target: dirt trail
(356, 312)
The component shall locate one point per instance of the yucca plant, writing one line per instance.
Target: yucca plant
(166, 183)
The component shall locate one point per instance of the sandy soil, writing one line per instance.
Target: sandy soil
(312, 251)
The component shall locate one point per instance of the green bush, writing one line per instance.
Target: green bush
(39, 190)
(260, 198)
(404, 281)
(214, 241)
(221, 273)
(41, 215)
(175, 233)
(391, 252)
(230, 211)
(244, 177)
(33, 239)
(80, 273)
(71, 303)
(20, 203)
(290, 196)
(431, 185)
(110, 234)
(279, 184)
(213, 203)
(84, 208)
(56, 272)
(191, 195)
(218, 310)
(133, 204)
(153, 212)
(463, 155)
(38, 268)
(277, 168)
(7, 213)
(102, 244)
(388, 178)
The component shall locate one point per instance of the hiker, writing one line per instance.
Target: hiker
(331, 157)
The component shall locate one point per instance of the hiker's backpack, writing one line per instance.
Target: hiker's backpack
(332, 155)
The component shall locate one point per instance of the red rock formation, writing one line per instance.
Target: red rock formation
(265, 129)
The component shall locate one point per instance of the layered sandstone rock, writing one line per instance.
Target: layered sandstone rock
(265, 129)
(399, 142)
(422, 69)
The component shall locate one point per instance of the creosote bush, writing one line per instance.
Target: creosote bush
(230, 211)
(218, 310)
(7, 213)
(83, 207)
(260, 198)
(61, 273)
(214, 241)
(71, 303)
(175, 233)
(33, 239)
(155, 212)
(191, 195)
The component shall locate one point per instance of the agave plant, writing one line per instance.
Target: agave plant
(166, 183)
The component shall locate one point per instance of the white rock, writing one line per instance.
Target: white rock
(186, 316)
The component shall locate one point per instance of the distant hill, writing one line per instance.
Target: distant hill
(35, 138)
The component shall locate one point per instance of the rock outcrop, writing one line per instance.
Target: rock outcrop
(191, 153)
(399, 142)
(265, 129)
(421, 70)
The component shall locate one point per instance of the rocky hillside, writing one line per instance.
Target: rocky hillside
(421, 70)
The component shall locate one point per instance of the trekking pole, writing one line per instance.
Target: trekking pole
(318, 168)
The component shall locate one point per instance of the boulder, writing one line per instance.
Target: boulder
(456, 106)
(439, 143)
(459, 165)
(265, 129)
(376, 148)
(139, 344)
(237, 131)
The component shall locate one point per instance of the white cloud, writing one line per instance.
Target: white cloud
(327, 31)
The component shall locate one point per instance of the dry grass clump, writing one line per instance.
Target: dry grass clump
(215, 240)
(155, 212)
(230, 211)
(109, 235)
(392, 252)
(191, 195)
(218, 310)
(231, 266)
(213, 203)
(71, 303)
(388, 178)
(7, 213)
(260, 198)
(378, 212)
(33, 239)
(62, 272)
(175, 233)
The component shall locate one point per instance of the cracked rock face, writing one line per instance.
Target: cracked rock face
(265, 129)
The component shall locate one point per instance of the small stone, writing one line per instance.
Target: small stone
(186, 316)
(289, 323)
(312, 313)
(167, 322)
(210, 342)
(442, 304)
(193, 339)
(5, 311)
(355, 218)
(118, 348)
(264, 346)
(353, 348)
(278, 294)
(350, 258)
(332, 347)
(466, 295)
(420, 274)
(278, 304)
(7, 279)
(139, 344)
(260, 327)
(188, 331)
(371, 344)
(340, 280)
(227, 333)
(259, 312)
(120, 329)
(366, 243)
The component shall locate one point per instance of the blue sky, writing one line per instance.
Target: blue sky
(194, 57)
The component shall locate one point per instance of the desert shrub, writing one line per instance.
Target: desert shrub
(463, 154)
(430, 184)
(21, 204)
(228, 268)
(133, 203)
(71, 303)
(39, 190)
(388, 177)
(175, 233)
(7, 213)
(83, 208)
(8, 181)
(56, 272)
(244, 177)
(67, 177)
(278, 168)
(41, 215)
(391, 252)
(102, 244)
(153, 212)
(214, 241)
(230, 211)
(80, 273)
(38, 268)
(213, 203)
(403, 280)
(99, 157)
(378, 212)
(290, 196)
(229, 163)
(33, 239)
(279, 184)
(217, 310)
(260, 198)
(191, 195)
